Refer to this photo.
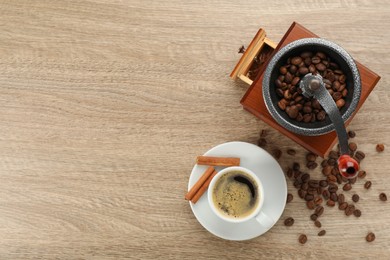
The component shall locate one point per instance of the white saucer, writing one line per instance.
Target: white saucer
(274, 184)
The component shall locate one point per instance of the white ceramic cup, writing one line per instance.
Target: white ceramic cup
(257, 213)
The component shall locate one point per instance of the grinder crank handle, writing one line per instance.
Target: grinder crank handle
(312, 85)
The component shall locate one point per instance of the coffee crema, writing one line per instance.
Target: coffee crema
(235, 194)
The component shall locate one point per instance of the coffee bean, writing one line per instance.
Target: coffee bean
(303, 70)
(313, 217)
(291, 151)
(309, 197)
(317, 223)
(347, 187)
(321, 233)
(320, 67)
(302, 193)
(342, 78)
(367, 185)
(341, 198)
(340, 103)
(349, 210)
(362, 174)
(332, 162)
(296, 60)
(283, 70)
(351, 134)
(327, 170)
(319, 210)
(297, 183)
(293, 69)
(330, 203)
(357, 213)
(326, 194)
(314, 183)
(324, 163)
(332, 187)
(316, 60)
(262, 142)
(360, 155)
(277, 153)
(321, 115)
(333, 196)
(352, 146)
(355, 198)
(331, 178)
(289, 197)
(383, 196)
(305, 177)
(333, 155)
(292, 111)
(320, 190)
(311, 190)
(370, 237)
(310, 204)
(380, 148)
(312, 68)
(338, 72)
(282, 105)
(289, 222)
(295, 81)
(343, 206)
(318, 200)
(321, 55)
(323, 183)
(339, 178)
(302, 239)
(311, 157)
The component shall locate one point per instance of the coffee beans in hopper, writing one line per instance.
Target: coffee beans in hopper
(291, 100)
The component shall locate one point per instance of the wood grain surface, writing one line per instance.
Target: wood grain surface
(105, 105)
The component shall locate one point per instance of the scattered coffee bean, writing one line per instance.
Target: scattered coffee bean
(333, 196)
(241, 49)
(349, 210)
(351, 134)
(321, 233)
(319, 210)
(277, 154)
(357, 213)
(262, 142)
(302, 239)
(341, 198)
(296, 166)
(310, 204)
(353, 180)
(383, 196)
(311, 157)
(313, 217)
(309, 197)
(318, 200)
(291, 151)
(347, 187)
(370, 237)
(331, 178)
(311, 165)
(331, 203)
(289, 197)
(355, 198)
(362, 174)
(343, 206)
(360, 155)
(380, 148)
(302, 193)
(367, 185)
(289, 222)
(333, 187)
(352, 146)
(317, 223)
(323, 183)
(326, 194)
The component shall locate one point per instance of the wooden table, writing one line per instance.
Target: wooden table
(106, 104)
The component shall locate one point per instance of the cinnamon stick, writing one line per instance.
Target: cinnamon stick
(199, 183)
(218, 161)
(203, 188)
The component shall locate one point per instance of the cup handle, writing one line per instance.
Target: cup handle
(265, 220)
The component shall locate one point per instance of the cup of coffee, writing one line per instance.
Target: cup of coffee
(236, 195)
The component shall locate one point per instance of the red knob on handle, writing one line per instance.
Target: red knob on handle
(348, 166)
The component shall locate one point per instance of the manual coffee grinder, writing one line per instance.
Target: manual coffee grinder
(312, 85)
